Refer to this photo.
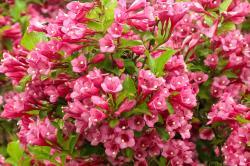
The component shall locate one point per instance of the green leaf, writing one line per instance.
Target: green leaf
(40, 152)
(18, 8)
(109, 9)
(90, 150)
(170, 107)
(140, 109)
(30, 40)
(15, 151)
(162, 161)
(129, 91)
(242, 120)
(157, 64)
(130, 66)
(113, 123)
(72, 142)
(129, 153)
(130, 43)
(226, 26)
(163, 133)
(23, 82)
(230, 74)
(224, 5)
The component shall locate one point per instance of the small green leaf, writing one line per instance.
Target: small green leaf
(226, 26)
(163, 133)
(130, 43)
(170, 107)
(23, 82)
(224, 5)
(140, 109)
(15, 151)
(242, 120)
(157, 64)
(162, 161)
(230, 74)
(30, 40)
(129, 152)
(18, 8)
(72, 142)
(113, 123)
(129, 91)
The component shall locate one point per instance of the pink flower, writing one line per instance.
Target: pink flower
(98, 58)
(79, 64)
(111, 84)
(96, 116)
(107, 44)
(115, 30)
(158, 103)
(72, 30)
(211, 60)
(125, 139)
(136, 123)
(148, 82)
(100, 102)
(206, 133)
(220, 82)
(111, 148)
(127, 105)
(48, 131)
(96, 77)
(151, 119)
(199, 77)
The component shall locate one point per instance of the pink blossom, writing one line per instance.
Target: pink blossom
(211, 60)
(100, 102)
(79, 64)
(136, 123)
(98, 58)
(125, 139)
(127, 105)
(107, 44)
(206, 134)
(151, 119)
(111, 84)
(115, 30)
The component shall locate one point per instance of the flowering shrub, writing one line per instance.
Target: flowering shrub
(139, 82)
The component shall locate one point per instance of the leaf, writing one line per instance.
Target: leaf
(18, 8)
(242, 120)
(157, 64)
(72, 142)
(130, 67)
(130, 43)
(23, 82)
(129, 152)
(226, 26)
(129, 91)
(140, 109)
(163, 133)
(15, 151)
(40, 152)
(109, 9)
(162, 161)
(230, 74)
(90, 150)
(113, 123)
(224, 5)
(30, 40)
(170, 107)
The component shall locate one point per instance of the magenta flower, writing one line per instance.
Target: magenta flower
(98, 58)
(125, 139)
(111, 84)
(136, 123)
(79, 64)
(127, 105)
(211, 60)
(206, 133)
(111, 148)
(100, 102)
(115, 30)
(151, 119)
(107, 44)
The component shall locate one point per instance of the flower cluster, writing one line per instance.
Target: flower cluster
(128, 82)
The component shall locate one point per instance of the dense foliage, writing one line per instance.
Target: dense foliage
(116, 82)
